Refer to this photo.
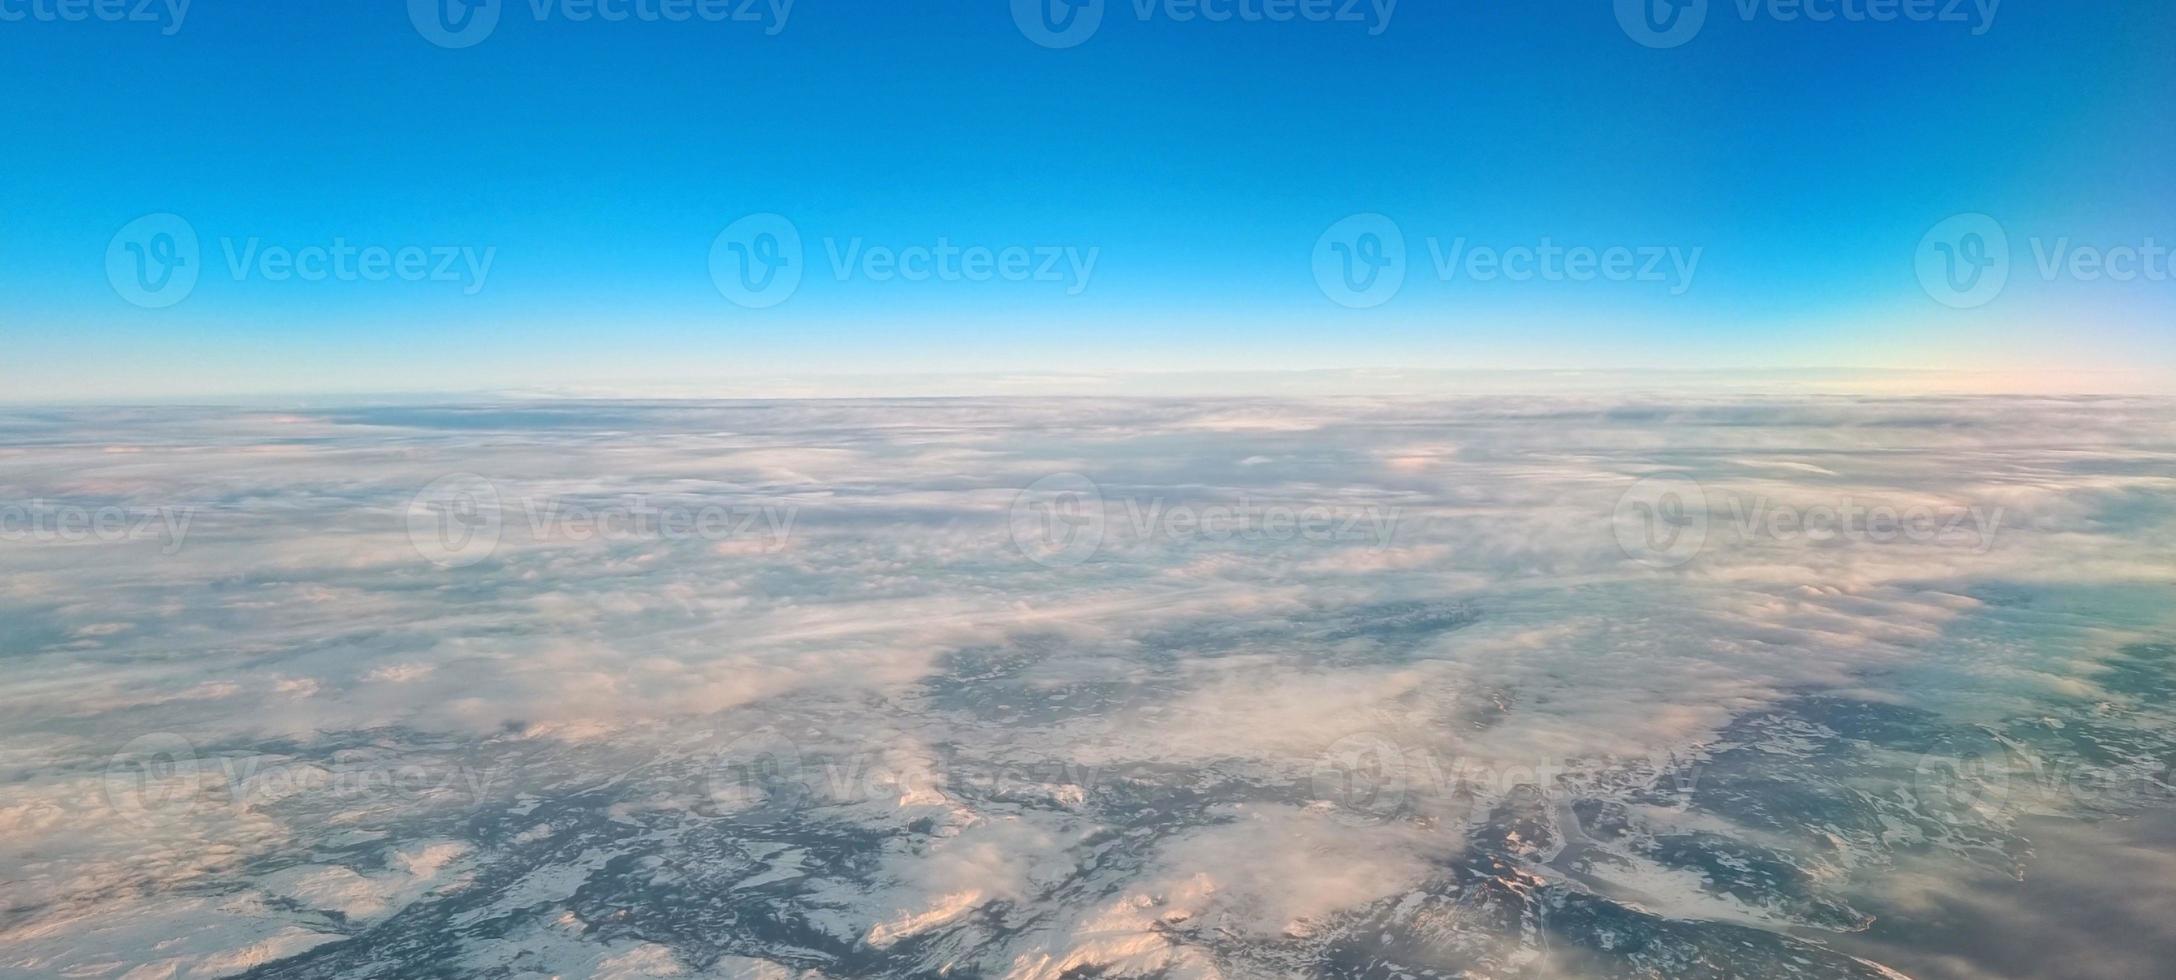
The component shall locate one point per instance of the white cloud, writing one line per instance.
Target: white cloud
(996, 717)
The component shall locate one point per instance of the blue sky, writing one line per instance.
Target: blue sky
(1196, 164)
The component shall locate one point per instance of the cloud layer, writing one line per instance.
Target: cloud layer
(1018, 687)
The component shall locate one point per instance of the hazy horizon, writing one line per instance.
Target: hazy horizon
(1401, 383)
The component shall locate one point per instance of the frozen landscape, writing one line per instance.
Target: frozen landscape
(1485, 687)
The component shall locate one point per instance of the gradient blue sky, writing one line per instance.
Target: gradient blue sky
(1202, 160)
